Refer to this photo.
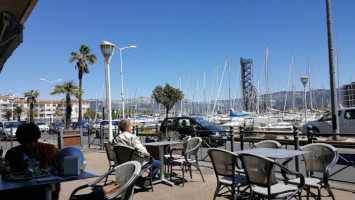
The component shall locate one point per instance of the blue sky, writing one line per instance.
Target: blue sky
(180, 38)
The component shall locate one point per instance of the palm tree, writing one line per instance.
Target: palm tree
(82, 58)
(8, 114)
(32, 97)
(18, 111)
(68, 88)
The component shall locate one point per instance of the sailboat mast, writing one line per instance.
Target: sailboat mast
(229, 76)
(339, 102)
(293, 86)
(204, 90)
(309, 80)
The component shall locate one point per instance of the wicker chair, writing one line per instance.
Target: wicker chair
(321, 159)
(225, 167)
(192, 150)
(267, 144)
(259, 172)
(111, 156)
(170, 156)
(126, 174)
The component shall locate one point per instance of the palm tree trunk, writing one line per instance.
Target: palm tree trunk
(68, 112)
(31, 113)
(80, 111)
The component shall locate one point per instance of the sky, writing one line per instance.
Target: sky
(181, 40)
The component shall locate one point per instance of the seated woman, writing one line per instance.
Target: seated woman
(30, 149)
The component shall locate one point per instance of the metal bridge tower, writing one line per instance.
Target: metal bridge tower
(248, 89)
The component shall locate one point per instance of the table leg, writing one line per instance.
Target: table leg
(162, 172)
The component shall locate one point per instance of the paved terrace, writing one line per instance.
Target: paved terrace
(194, 188)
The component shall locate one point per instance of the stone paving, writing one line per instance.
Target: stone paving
(194, 188)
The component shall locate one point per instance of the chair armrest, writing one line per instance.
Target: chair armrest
(285, 171)
(123, 188)
(77, 189)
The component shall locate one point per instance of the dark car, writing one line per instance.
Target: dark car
(55, 127)
(211, 134)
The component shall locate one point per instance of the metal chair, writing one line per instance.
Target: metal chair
(225, 167)
(259, 172)
(169, 156)
(267, 144)
(126, 175)
(321, 159)
(111, 156)
(125, 153)
(192, 150)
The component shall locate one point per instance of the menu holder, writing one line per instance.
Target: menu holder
(21, 176)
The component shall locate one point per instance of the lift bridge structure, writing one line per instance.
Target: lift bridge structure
(249, 91)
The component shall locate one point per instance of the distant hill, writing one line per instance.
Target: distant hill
(320, 98)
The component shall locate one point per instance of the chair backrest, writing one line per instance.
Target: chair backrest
(223, 161)
(123, 153)
(126, 174)
(322, 157)
(258, 169)
(111, 156)
(267, 144)
(193, 146)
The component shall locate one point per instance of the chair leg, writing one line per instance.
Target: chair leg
(217, 190)
(109, 168)
(151, 180)
(183, 176)
(198, 167)
(330, 192)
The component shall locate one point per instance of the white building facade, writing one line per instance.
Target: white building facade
(45, 110)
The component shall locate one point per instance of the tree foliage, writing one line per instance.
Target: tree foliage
(32, 97)
(69, 89)
(18, 110)
(167, 96)
(82, 58)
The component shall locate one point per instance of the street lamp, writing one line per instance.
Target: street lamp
(122, 94)
(50, 88)
(107, 50)
(304, 80)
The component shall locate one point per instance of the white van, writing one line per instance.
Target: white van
(324, 124)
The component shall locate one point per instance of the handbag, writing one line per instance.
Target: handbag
(99, 192)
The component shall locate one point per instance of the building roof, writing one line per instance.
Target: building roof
(13, 15)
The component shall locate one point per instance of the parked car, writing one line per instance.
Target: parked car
(77, 125)
(211, 134)
(324, 124)
(8, 127)
(23, 121)
(104, 126)
(42, 126)
(55, 127)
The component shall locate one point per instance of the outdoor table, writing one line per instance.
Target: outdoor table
(161, 158)
(46, 182)
(275, 153)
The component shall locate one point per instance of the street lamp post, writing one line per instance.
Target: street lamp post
(107, 50)
(50, 88)
(304, 80)
(122, 94)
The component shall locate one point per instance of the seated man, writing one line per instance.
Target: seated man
(30, 149)
(129, 139)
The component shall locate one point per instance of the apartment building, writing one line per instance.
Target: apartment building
(44, 110)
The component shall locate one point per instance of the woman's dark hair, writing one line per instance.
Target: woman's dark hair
(28, 132)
